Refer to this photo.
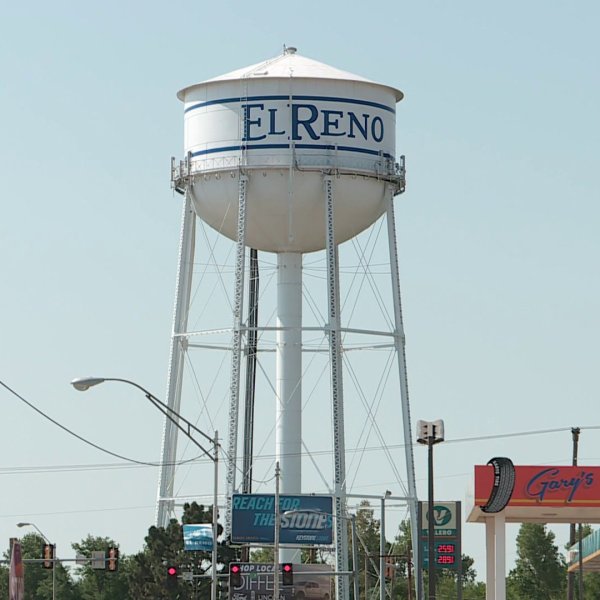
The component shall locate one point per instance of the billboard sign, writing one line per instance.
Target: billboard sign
(313, 582)
(303, 519)
(198, 537)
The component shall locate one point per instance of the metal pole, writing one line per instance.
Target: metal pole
(399, 342)
(580, 564)
(366, 574)
(215, 516)
(250, 375)
(355, 559)
(572, 538)
(164, 501)
(236, 350)
(337, 393)
(54, 559)
(276, 537)
(382, 552)
(288, 384)
(430, 521)
(409, 572)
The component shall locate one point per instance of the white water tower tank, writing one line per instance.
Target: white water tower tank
(285, 121)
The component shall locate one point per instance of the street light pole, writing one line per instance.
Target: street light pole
(430, 433)
(83, 384)
(53, 559)
(430, 519)
(276, 536)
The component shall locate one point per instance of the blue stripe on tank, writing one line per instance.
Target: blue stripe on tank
(281, 97)
(287, 146)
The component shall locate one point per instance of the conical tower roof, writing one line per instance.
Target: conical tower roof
(290, 64)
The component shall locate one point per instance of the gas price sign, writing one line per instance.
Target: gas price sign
(446, 534)
(446, 554)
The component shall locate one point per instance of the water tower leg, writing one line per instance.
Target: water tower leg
(337, 396)
(399, 342)
(288, 413)
(236, 347)
(165, 504)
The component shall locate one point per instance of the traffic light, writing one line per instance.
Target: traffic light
(112, 559)
(235, 575)
(172, 573)
(287, 570)
(48, 556)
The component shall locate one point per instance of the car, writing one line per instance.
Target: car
(312, 589)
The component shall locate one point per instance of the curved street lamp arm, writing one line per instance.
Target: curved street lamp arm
(36, 528)
(172, 415)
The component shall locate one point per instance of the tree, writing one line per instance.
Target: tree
(539, 573)
(3, 581)
(99, 584)
(263, 555)
(147, 570)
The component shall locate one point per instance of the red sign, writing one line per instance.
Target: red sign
(544, 485)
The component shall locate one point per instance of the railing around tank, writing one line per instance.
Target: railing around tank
(380, 167)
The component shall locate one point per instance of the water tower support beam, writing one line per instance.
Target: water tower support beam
(253, 286)
(236, 347)
(337, 395)
(165, 503)
(288, 410)
(399, 341)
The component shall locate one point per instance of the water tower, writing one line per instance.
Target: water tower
(289, 157)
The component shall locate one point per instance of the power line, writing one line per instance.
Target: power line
(57, 468)
(81, 438)
(74, 512)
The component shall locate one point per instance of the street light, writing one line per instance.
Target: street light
(84, 383)
(430, 433)
(53, 559)
(352, 519)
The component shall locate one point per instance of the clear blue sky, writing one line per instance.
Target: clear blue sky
(498, 230)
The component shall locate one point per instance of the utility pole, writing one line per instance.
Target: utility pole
(366, 575)
(572, 538)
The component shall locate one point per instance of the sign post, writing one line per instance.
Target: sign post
(447, 538)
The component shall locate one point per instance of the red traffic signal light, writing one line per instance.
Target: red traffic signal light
(287, 570)
(235, 575)
(172, 574)
(48, 556)
(112, 559)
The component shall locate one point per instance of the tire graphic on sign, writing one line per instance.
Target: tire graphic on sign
(504, 484)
